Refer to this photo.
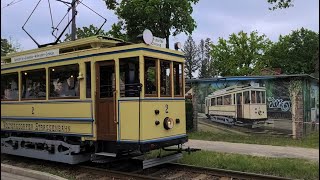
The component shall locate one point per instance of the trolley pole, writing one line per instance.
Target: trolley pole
(73, 24)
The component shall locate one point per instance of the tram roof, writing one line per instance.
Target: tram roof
(80, 44)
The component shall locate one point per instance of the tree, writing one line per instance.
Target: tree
(7, 46)
(160, 16)
(84, 32)
(295, 53)
(280, 4)
(206, 70)
(240, 54)
(191, 55)
(116, 31)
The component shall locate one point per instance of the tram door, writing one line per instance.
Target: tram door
(239, 105)
(106, 101)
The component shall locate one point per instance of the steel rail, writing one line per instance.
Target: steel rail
(228, 173)
(119, 174)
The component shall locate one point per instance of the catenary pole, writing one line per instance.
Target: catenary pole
(73, 24)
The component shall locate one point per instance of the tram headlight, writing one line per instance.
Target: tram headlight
(168, 123)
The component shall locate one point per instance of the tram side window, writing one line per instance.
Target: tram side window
(177, 78)
(64, 82)
(246, 97)
(34, 84)
(213, 101)
(88, 79)
(253, 97)
(129, 77)
(263, 97)
(219, 100)
(259, 96)
(9, 86)
(227, 100)
(150, 77)
(165, 78)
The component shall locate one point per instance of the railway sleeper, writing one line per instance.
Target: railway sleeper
(39, 148)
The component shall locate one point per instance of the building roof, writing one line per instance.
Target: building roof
(246, 78)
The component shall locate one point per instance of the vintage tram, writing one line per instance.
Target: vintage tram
(96, 96)
(237, 105)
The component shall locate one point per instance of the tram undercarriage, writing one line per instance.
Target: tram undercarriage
(77, 152)
(231, 121)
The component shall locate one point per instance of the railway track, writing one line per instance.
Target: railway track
(246, 130)
(127, 169)
(174, 171)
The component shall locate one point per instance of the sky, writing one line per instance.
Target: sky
(214, 18)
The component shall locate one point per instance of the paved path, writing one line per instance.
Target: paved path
(9, 176)
(256, 150)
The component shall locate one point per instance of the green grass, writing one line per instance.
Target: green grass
(284, 167)
(311, 141)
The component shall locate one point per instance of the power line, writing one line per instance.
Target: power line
(11, 3)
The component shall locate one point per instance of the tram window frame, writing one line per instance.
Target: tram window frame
(227, 98)
(178, 66)
(263, 97)
(4, 84)
(213, 101)
(146, 76)
(23, 82)
(125, 64)
(76, 81)
(259, 97)
(246, 96)
(88, 79)
(253, 100)
(170, 78)
(219, 101)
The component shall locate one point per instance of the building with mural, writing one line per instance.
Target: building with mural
(291, 101)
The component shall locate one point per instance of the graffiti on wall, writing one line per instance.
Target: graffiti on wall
(279, 104)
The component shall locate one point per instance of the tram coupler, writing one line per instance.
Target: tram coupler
(188, 150)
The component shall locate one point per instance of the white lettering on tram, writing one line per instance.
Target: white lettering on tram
(33, 56)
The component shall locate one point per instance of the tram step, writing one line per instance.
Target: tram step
(106, 154)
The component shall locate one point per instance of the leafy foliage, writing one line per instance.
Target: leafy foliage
(192, 62)
(295, 53)
(240, 54)
(115, 32)
(85, 32)
(7, 46)
(280, 4)
(160, 16)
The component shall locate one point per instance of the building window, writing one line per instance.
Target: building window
(34, 84)
(227, 100)
(177, 78)
(9, 86)
(129, 77)
(64, 82)
(88, 79)
(165, 78)
(213, 101)
(246, 97)
(150, 77)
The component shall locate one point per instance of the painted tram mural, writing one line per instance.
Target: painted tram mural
(253, 100)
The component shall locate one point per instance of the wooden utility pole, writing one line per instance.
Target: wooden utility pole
(73, 24)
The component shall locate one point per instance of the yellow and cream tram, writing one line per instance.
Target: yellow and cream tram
(95, 95)
(241, 105)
